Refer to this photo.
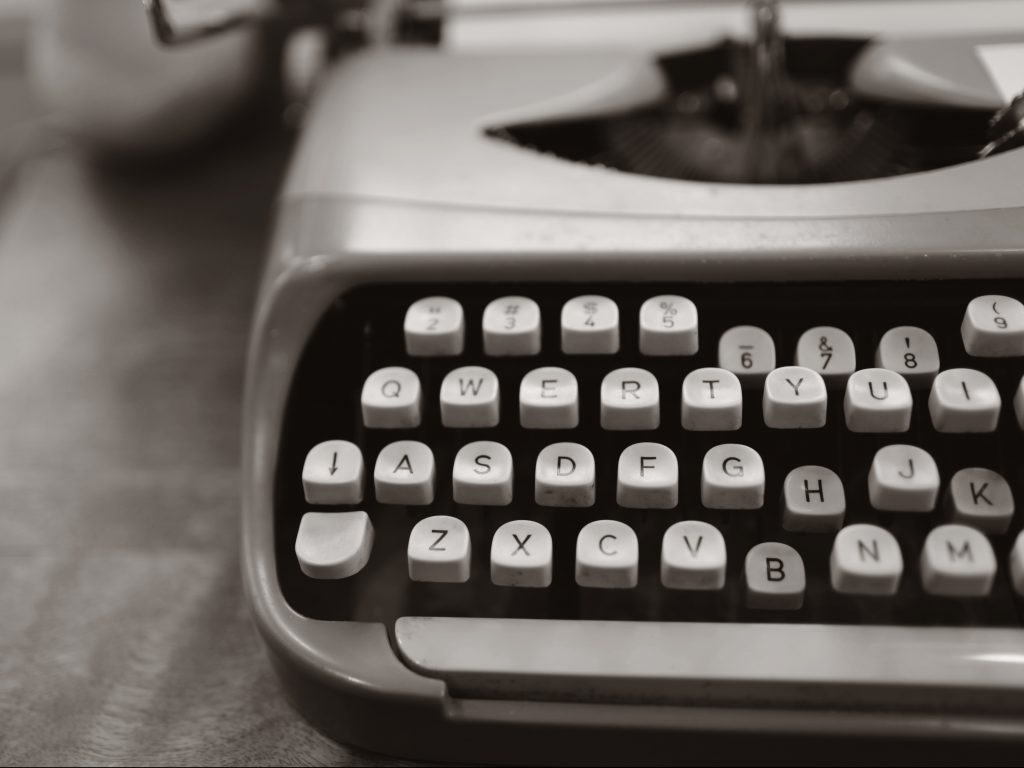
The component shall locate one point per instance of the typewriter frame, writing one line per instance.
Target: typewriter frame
(345, 677)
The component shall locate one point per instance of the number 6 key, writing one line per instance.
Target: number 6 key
(747, 351)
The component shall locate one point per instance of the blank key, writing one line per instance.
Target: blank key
(1018, 403)
(1017, 564)
(333, 545)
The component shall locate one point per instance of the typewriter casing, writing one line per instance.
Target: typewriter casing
(364, 204)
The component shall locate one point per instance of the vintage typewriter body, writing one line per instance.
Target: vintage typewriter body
(593, 417)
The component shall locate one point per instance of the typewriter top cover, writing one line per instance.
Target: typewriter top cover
(831, 165)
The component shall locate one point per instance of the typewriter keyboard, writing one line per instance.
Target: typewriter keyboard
(803, 452)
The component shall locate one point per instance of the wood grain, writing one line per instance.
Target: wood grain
(125, 300)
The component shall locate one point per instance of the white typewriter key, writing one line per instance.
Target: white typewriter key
(404, 473)
(521, 555)
(482, 474)
(435, 327)
(668, 326)
(648, 477)
(981, 498)
(470, 398)
(775, 577)
(964, 400)
(1017, 564)
(590, 326)
(439, 550)
(732, 477)
(333, 545)
(511, 327)
(747, 351)
(866, 560)
(333, 473)
(794, 398)
(957, 561)
(911, 352)
(813, 500)
(828, 351)
(630, 400)
(391, 399)
(993, 326)
(607, 555)
(1018, 403)
(693, 556)
(903, 478)
(549, 398)
(877, 400)
(712, 401)
(565, 476)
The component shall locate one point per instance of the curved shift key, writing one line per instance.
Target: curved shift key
(333, 545)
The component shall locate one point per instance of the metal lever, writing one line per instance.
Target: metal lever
(176, 22)
(1006, 128)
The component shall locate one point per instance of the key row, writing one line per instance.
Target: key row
(955, 560)
(992, 326)
(903, 478)
(875, 400)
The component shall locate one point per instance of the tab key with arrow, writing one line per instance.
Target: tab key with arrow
(333, 473)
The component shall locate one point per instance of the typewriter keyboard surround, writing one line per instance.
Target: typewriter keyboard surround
(541, 366)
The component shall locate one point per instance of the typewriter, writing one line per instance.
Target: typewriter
(643, 382)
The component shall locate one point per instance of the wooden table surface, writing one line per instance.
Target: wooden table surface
(125, 301)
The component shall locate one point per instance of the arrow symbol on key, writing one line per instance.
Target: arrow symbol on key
(334, 463)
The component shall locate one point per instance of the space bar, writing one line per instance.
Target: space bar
(665, 662)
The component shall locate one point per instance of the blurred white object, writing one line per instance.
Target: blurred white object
(652, 25)
(97, 66)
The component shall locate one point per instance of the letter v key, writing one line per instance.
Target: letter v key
(693, 549)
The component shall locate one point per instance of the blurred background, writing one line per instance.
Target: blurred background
(128, 270)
